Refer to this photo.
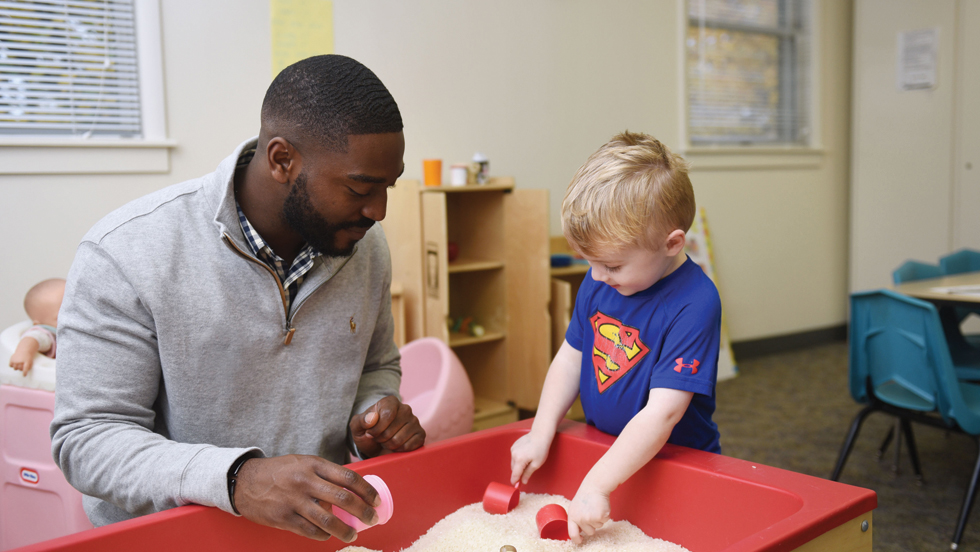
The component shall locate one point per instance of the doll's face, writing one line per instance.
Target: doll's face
(44, 306)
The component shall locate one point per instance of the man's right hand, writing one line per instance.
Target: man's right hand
(296, 493)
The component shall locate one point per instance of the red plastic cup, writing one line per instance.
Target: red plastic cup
(385, 510)
(552, 522)
(500, 498)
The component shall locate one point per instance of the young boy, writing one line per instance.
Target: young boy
(642, 346)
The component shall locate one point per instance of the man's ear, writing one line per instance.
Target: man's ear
(675, 242)
(284, 160)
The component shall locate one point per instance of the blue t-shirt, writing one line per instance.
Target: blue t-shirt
(664, 336)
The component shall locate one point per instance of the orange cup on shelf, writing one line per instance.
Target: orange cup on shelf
(432, 172)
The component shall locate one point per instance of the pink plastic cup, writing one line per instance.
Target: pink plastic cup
(552, 522)
(500, 498)
(385, 510)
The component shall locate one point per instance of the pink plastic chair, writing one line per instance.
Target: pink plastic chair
(36, 503)
(435, 385)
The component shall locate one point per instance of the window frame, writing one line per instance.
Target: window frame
(754, 155)
(147, 153)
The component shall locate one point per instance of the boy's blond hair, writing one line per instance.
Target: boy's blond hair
(632, 191)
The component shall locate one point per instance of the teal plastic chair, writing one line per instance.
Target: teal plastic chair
(859, 375)
(962, 350)
(911, 271)
(900, 364)
(964, 260)
(965, 349)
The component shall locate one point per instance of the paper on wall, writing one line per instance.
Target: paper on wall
(918, 54)
(300, 29)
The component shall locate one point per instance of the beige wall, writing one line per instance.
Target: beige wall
(537, 86)
(902, 144)
(966, 128)
(916, 172)
(216, 69)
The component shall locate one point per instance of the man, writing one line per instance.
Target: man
(226, 341)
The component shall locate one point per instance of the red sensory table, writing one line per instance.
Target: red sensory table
(704, 502)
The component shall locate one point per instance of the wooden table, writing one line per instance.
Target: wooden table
(952, 305)
(926, 289)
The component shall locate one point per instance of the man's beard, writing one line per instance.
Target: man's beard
(298, 213)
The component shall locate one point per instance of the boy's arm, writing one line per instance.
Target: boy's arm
(23, 357)
(560, 389)
(640, 441)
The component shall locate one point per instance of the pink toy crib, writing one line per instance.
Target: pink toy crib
(36, 502)
(435, 385)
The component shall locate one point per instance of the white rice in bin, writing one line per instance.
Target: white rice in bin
(471, 529)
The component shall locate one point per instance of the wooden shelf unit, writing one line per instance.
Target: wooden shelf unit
(464, 265)
(565, 282)
(492, 414)
(466, 189)
(500, 279)
(460, 340)
(573, 270)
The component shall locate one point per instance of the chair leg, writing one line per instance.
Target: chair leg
(971, 492)
(887, 441)
(913, 452)
(898, 445)
(849, 440)
(950, 321)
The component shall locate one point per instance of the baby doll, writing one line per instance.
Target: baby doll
(42, 303)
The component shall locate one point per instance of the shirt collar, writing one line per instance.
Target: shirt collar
(261, 249)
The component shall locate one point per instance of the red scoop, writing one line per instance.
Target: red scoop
(500, 498)
(552, 522)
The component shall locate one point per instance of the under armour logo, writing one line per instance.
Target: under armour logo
(693, 365)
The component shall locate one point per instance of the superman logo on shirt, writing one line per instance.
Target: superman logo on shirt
(617, 348)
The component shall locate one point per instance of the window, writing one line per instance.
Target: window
(69, 67)
(81, 87)
(747, 72)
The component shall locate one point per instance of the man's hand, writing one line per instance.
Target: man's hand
(295, 493)
(23, 357)
(588, 512)
(387, 426)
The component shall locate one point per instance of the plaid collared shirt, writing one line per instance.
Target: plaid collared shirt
(290, 278)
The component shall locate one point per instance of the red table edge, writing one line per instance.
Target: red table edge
(844, 504)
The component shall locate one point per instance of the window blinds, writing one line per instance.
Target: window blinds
(68, 67)
(747, 71)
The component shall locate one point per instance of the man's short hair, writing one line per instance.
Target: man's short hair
(632, 191)
(324, 99)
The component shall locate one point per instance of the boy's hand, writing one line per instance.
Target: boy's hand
(387, 426)
(527, 454)
(589, 511)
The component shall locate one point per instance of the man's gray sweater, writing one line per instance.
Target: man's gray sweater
(176, 354)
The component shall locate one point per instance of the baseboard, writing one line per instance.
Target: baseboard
(744, 350)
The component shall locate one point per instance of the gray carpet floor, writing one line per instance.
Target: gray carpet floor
(792, 411)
